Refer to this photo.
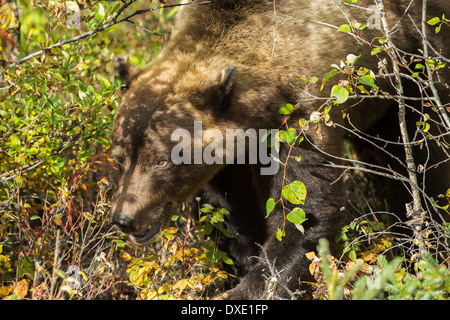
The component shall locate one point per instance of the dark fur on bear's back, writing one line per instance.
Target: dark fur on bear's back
(231, 64)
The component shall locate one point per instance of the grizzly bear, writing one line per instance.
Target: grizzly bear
(229, 66)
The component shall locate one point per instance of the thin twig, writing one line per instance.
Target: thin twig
(417, 212)
(102, 27)
(55, 266)
(426, 44)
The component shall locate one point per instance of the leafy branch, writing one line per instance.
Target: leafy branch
(101, 27)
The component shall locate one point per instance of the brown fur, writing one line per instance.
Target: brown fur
(232, 64)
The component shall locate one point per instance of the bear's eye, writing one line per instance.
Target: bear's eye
(119, 165)
(161, 163)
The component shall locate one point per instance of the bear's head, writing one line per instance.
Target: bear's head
(155, 103)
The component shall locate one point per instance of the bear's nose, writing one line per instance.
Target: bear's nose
(123, 222)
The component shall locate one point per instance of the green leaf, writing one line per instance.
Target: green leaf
(368, 80)
(382, 40)
(375, 51)
(226, 233)
(329, 75)
(270, 205)
(30, 104)
(55, 170)
(32, 151)
(425, 126)
(208, 228)
(227, 260)
(287, 109)
(15, 141)
(207, 208)
(420, 66)
(60, 162)
(340, 93)
(441, 65)
(297, 216)
(363, 90)
(61, 273)
(345, 28)
(25, 269)
(352, 255)
(359, 25)
(433, 21)
(295, 192)
(303, 123)
(101, 12)
(288, 135)
(66, 55)
(280, 234)
(105, 84)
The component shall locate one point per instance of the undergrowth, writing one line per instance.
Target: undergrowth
(56, 112)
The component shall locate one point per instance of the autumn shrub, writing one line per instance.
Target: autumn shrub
(383, 279)
(185, 261)
(419, 238)
(58, 97)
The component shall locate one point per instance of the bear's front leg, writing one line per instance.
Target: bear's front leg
(282, 265)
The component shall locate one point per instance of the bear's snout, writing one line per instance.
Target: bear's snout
(124, 223)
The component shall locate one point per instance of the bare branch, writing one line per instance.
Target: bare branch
(409, 158)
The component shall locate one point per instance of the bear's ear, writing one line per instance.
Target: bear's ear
(226, 83)
(126, 72)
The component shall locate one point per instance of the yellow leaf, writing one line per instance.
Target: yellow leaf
(313, 266)
(310, 255)
(85, 277)
(399, 276)
(4, 291)
(21, 289)
(207, 279)
(174, 248)
(222, 275)
(368, 256)
(67, 289)
(183, 283)
(148, 294)
(165, 288)
(414, 257)
(172, 230)
(366, 268)
(125, 255)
